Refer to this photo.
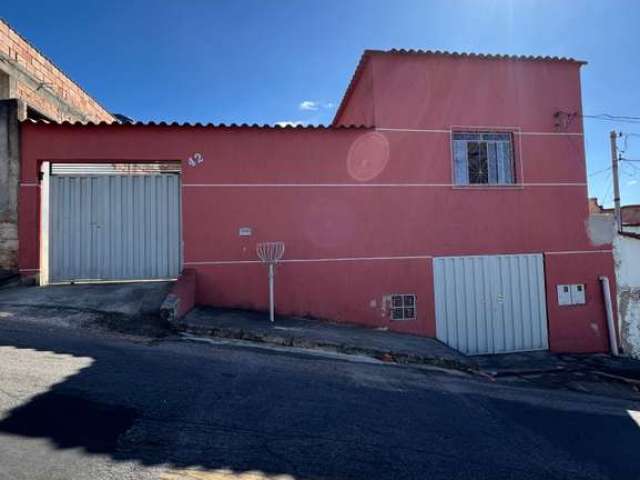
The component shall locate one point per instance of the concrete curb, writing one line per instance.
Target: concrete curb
(299, 341)
(181, 297)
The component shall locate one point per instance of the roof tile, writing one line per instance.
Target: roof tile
(196, 125)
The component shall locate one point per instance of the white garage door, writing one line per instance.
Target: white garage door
(114, 227)
(491, 304)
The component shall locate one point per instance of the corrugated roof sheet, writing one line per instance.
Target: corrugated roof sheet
(486, 56)
(442, 53)
(196, 125)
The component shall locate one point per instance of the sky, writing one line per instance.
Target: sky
(268, 61)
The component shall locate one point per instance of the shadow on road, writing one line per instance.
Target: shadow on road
(158, 406)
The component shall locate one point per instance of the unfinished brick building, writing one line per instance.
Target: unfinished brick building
(31, 86)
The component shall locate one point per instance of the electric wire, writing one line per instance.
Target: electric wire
(599, 171)
(609, 188)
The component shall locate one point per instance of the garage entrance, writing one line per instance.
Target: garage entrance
(491, 303)
(114, 222)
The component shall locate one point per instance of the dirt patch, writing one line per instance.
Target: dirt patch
(141, 325)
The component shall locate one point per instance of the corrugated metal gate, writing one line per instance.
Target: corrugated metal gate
(114, 227)
(491, 304)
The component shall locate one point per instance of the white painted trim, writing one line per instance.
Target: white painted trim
(486, 128)
(315, 185)
(577, 252)
(555, 134)
(382, 185)
(220, 262)
(366, 259)
(311, 260)
(29, 184)
(44, 224)
(412, 130)
(558, 184)
(356, 259)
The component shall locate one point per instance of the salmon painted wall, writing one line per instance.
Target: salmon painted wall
(430, 92)
(357, 106)
(416, 94)
(362, 212)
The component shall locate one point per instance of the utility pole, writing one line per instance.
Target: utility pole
(616, 185)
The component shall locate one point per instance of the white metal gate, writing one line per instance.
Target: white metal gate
(114, 227)
(491, 304)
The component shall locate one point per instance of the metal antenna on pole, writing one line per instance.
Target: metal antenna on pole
(270, 253)
(616, 185)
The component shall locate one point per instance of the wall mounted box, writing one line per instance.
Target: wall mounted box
(571, 294)
(577, 294)
(564, 295)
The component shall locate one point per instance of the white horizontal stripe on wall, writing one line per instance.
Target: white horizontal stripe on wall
(367, 259)
(578, 252)
(413, 130)
(382, 185)
(309, 260)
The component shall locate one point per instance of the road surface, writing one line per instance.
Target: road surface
(77, 404)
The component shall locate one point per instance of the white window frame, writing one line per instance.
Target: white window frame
(503, 174)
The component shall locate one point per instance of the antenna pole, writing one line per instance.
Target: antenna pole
(270, 253)
(271, 301)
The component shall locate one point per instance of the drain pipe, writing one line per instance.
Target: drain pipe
(606, 293)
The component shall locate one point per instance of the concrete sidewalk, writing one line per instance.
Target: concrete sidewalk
(131, 308)
(322, 335)
(621, 368)
(587, 373)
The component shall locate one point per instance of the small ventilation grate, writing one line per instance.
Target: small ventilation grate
(401, 306)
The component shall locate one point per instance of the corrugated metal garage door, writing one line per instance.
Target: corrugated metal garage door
(491, 304)
(114, 227)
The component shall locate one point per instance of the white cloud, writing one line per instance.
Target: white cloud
(632, 182)
(314, 105)
(290, 123)
(309, 105)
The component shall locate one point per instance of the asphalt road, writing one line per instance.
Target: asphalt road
(81, 405)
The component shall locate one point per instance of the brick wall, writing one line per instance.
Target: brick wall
(30, 85)
(41, 85)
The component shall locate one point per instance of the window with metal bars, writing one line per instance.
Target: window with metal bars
(402, 306)
(483, 158)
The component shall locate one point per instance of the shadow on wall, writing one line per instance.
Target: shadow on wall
(155, 407)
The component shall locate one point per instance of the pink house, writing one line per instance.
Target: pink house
(448, 198)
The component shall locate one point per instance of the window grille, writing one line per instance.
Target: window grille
(483, 158)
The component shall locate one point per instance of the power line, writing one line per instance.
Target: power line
(630, 169)
(609, 117)
(635, 168)
(612, 118)
(599, 171)
(608, 191)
